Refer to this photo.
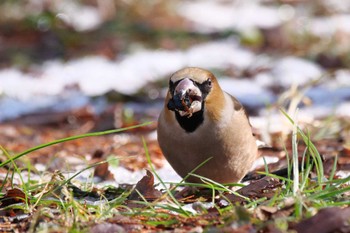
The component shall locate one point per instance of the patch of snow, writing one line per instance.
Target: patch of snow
(286, 12)
(315, 112)
(343, 77)
(47, 86)
(40, 167)
(22, 86)
(124, 176)
(343, 175)
(270, 122)
(167, 173)
(247, 91)
(81, 17)
(219, 54)
(295, 71)
(138, 69)
(328, 96)
(214, 16)
(343, 109)
(152, 136)
(97, 75)
(12, 107)
(328, 26)
(198, 207)
(260, 161)
(336, 5)
(264, 79)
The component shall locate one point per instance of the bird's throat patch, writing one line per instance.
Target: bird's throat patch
(190, 124)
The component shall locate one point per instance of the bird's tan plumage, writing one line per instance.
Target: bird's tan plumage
(223, 133)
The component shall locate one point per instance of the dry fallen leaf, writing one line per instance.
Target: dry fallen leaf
(101, 170)
(13, 196)
(145, 187)
(260, 188)
(333, 219)
(265, 212)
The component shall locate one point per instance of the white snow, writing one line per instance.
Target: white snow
(295, 71)
(96, 75)
(214, 16)
(247, 91)
(80, 17)
(328, 26)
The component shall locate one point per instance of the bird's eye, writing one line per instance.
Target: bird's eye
(209, 82)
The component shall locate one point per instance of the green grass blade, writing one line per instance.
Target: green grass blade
(75, 175)
(18, 171)
(334, 168)
(160, 180)
(17, 156)
(312, 150)
(295, 156)
(329, 193)
(220, 185)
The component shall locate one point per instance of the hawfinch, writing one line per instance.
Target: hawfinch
(200, 122)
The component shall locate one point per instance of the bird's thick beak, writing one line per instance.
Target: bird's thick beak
(186, 99)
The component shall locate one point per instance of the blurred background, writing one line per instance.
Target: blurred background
(69, 67)
(109, 60)
(75, 66)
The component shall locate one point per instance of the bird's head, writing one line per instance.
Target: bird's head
(189, 89)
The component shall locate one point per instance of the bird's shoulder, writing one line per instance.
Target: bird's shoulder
(238, 107)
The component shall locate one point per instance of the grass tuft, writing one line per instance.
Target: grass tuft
(304, 190)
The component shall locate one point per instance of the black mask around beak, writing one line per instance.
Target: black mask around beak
(186, 98)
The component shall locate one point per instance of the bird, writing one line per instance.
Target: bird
(203, 131)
